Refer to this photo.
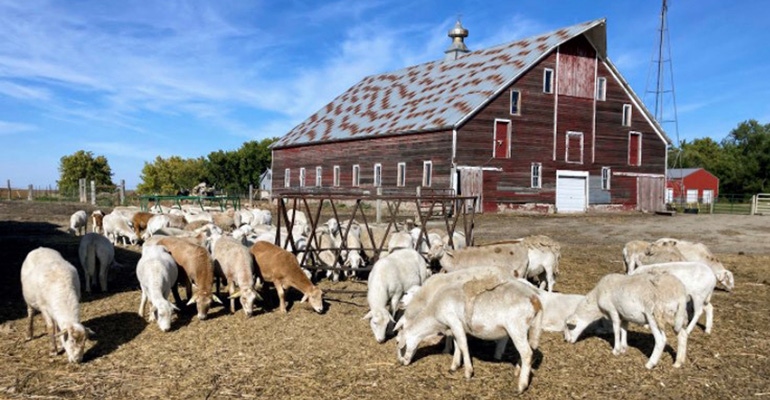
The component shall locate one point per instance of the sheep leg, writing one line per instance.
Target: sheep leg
(681, 348)
(697, 311)
(231, 290)
(142, 302)
(660, 342)
(461, 341)
(456, 354)
(500, 348)
(623, 336)
(549, 277)
(281, 300)
(519, 338)
(51, 328)
(709, 309)
(103, 270)
(30, 315)
(616, 331)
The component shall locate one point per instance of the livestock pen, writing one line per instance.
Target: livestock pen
(305, 355)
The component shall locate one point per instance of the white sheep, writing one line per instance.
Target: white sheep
(653, 298)
(699, 282)
(512, 256)
(543, 260)
(389, 279)
(117, 226)
(699, 252)
(233, 262)
(95, 251)
(156, 223)
(489, 309)
(51, 286)
(632, 251)
(157, 273)
(400, 240)
(78, 222)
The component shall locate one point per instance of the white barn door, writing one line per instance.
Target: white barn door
(571, 191)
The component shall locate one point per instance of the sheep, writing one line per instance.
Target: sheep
(511, 256)
(197, 270)
(224, 221)
(154, 224)
(372, 238)
(280, 267)
(653, 298)
(96, 221)
(489, 309)
(115, 226)
(95, 249)
(400, 240)
(699, 282)
(389, 279)
(351, 254)
(233, 262)
(557, 307)
(51, 286)
(261, 217)
(699, 252)
(157, 273)
(78, 223)
(543, 260)
(632, 251)
(327, 250)
(139, 222)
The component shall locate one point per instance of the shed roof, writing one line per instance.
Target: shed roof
(434, 96)
(679, 173)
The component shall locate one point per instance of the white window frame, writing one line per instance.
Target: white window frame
(287, 178)
(548, 81)
(566, 147)
(518, 103)
(318, 176)
(377, 171)
(427, 173)
(606, 178)
(536, 175)
(336, 176)
(302, 174)
(601, 89)
(401, 181)
(356, 181)
(627, 114)
(639, 150)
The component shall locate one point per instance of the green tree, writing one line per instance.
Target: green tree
(83, 164)
(167, 176)
(747, 148)
(234, 171)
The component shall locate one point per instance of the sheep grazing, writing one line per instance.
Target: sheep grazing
(157, 273)
(139, 222)
(95, 251)
(198, 270)
(96, 221)
(233, 262)
(489, 309)
(280, 267)
(78, 223)
(652, 298)
(154, 224)
(512, 257)
(116, 226)
(699, 282)
(632, 252)
(389, 279)
(51, 286)
(544, 254)
(699, 252)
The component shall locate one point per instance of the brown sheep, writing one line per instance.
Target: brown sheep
(280, 267)
(139, 222)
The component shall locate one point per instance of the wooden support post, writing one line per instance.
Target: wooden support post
(29, 193)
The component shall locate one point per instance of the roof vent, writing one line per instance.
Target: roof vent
(457, 48)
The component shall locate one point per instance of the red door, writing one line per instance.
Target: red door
(502, 145)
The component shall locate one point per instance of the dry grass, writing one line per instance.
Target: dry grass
(303, 355)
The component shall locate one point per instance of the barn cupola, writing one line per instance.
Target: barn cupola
(457, 48)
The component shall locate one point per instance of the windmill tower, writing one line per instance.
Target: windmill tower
(660, 95)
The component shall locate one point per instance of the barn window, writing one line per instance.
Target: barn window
(356, 175)
(377, 175)
(336, 176)
(515, 102)
(427, 173)
(287, 177)
(502, 146)
(318, 176)
(302, 177)
(574, 147)
(548, 81)
(606, 174)
(601, 89)
(626, 114)
(401, 174)
(634, 148)
(535, 173)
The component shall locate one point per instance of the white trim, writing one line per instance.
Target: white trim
(566, 146)
(518, 103)
(593, 115)
(608, 186)
(556, 105)
(336, 177)
(507, 134)
(628, 149)
(302, 175)
(539, 175)
(627, 117)
(427, 176)
(401, 174)
(600, 91)
(545, 73)
(494, 169)
(287, 177)
(318, 176)
(638, 174)
(377, 178)
(356, 178)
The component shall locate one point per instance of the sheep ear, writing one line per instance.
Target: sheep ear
(192, 299)
(174, 306)
(399, 325)
(235, 295)
(368, 315)
(90, 335)
(215, 298)
(391, 318)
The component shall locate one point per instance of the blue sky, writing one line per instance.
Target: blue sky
(132, 80)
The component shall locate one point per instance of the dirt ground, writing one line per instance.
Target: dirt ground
(304, 355)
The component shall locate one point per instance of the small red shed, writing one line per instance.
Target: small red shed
(691, 185)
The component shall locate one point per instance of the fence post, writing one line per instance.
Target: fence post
(82, 190)
(29, 192)
(122, 192)
(251, 194)
(379, 205)
(93, 193)
(753, 204)
(9, 189)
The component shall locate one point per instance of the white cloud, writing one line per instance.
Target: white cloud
(11, 128)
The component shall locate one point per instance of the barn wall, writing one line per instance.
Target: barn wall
(389, 151)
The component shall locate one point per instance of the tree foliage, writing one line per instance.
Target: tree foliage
(83, 164)
(229, 172)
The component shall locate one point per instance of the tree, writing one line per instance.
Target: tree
(167, 176)
(748, 149)
(83, 164)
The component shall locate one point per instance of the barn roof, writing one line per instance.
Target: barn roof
(679, 173)
(433, 96)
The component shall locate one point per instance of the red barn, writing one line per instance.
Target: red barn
(691, 185)
(543, 123)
